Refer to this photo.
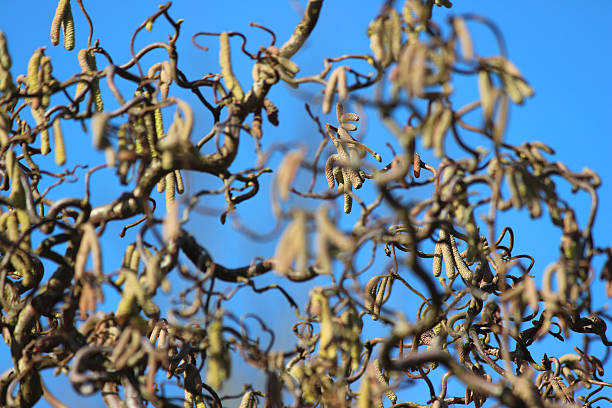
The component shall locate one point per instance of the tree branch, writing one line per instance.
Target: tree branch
(303, 29)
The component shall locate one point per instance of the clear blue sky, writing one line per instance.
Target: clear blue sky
(562, 48)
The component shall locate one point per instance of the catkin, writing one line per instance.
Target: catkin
(348, 203)
(45, 147)
(4, 129)
(159, 124)
(57, 21)
(437, 260)
(248, 400)
(5, 57)
(134, 260)
(161, 185)
(447, 254)
(439, 130)
(99, 123)
(271, 111)
(151, 133)
(330, 88)
(68, 26)
(464, 271)
(416, 165)
(393, 34)
(44, 77)
(87, 62)
(58, 143)
(165, 79)
(32, 78)
(342, 85)
(487, 94)
(225, 60)
(348, 117)
(12, 229)
(467, 48)
(180, 187)
(170, 188)
(6, 80)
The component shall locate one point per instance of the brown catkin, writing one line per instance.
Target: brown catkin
(271, 111)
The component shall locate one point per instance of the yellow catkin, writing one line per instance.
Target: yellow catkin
(151, 133)
(3, 220)
(44, 76)
(82, 58)
(161, 185)
(6, 80)
(10, 160)
(139, 125)
(170, 188)
(4, 128)
(11, 228)
(32, 78)
(5, 57)
(68, 26)
(45, 146)
(134, 260)
(58, 143)
(127, 256)
(159, 124)
(248, 400)
(159, 130)
(180, 187)
(39, 116)
(348, 203)
(98, 104)
(57, 21)
(87, 62)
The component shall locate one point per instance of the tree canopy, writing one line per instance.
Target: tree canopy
(389, 245)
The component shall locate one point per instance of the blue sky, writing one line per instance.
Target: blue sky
(562, 49)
